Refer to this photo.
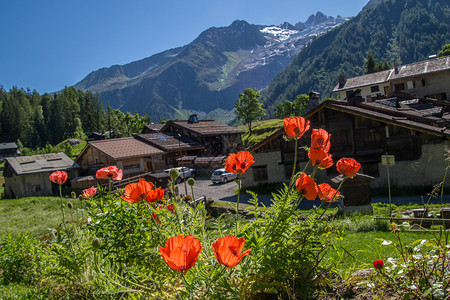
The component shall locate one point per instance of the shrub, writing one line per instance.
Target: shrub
(20, 258)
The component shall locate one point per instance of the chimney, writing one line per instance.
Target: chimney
(192, 119)
(314, 100)
(342, 81)
(395, 67)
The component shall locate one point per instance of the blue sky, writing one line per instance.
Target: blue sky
(46, 45)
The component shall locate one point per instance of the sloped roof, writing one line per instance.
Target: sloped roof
(409, 70)
(364, 80)
(41, 163)
(169, 141)
(407, 117)
(8, 146)
(125, 148)
(205, 127)
(154, 127)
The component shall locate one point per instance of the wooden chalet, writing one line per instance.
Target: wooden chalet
(414, 131)
(29, 175)
(8, 150)
(173, 145)
(217, 138)
(425, 79)
(131, 155)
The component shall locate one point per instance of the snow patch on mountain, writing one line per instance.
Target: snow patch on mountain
(279, 33)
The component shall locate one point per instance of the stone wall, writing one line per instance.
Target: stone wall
(428, 170)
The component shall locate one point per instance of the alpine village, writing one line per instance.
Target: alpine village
(292, 161)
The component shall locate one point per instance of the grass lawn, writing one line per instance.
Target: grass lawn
(260, 130)
(34, 215)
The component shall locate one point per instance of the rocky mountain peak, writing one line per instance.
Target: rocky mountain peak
(317, 19)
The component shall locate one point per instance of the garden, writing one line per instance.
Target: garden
(144, 242)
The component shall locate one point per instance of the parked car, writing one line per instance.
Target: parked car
(220, 175)
(187, 173)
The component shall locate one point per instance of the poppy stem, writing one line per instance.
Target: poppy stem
(334, 196)
(62, 205)
(295, 162)
(237, 204)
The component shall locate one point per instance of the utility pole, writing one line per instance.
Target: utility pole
(388, 160)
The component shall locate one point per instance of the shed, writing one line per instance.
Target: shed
(29, 175)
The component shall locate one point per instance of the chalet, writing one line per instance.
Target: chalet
(414, 131)
(8, 150)
(424, 79)
(131, 155)
(173, 145)
(217, 138)
(29, 175)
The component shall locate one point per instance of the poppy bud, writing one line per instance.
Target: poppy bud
(96, 243)
(69, 205)
(174, 173)
(73, 194)
(191, 181)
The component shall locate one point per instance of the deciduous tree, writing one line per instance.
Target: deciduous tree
(248, 108)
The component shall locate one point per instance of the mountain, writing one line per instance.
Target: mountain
(402, 31)
(207, 74)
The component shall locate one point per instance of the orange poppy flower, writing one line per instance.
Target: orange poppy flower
(154, 195)
(327, 193)
(320, 158)
(239, 162)
(90, 192)
(135, 192)
(227, 250)
(348, 167)
(295, 127)
(320, 139)
(111, 172)
(181, 253)
(307, 187)
(58, 177)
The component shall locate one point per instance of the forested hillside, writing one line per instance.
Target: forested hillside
(402, 31)
(35, 120)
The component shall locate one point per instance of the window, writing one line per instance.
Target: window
(374, 89)
(423, 82)
(260, 173)
(158, 158)
(38, 187)
(410, 84)
(399, 87)
(129, 167)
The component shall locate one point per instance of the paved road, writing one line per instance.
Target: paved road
(226, 192)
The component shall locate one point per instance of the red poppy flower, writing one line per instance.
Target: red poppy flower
(295, 127)
(227, 250)
(307, 187)
(135, 192)
(181, 253)
(58, 177)
(320, 139)
(378, 264)
(320, 158)
(238, 163)
(90, 192)
(327, 193)
(154, 195)
(348, 167)
(111, 172)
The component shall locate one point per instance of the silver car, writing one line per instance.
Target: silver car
(220, 175)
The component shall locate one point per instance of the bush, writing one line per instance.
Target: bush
(20, 259)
